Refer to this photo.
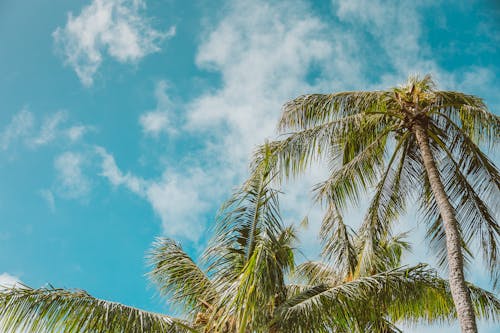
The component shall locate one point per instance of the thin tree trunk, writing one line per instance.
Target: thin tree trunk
(459, 290)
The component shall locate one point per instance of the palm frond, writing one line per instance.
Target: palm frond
(260, 286)
(357, 174)
(317, 272)
(60, 310)
(471, 191)
(343, 306)
(294, 154)
(337, 242)
(471, 115)
(308, 111)
(177, 276)
(251, 212)
(388, 202)
(433, 303)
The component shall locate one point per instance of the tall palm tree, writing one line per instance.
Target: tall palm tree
(244, 286)
(407, 143)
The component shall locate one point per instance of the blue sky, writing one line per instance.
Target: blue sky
(124, 120)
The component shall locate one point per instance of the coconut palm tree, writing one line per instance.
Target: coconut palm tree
(411, 143)
(244, 285)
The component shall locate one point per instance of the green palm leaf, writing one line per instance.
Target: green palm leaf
(60, 310)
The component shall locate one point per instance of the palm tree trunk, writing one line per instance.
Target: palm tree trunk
(459, 290)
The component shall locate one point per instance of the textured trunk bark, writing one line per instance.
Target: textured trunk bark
(459, 290)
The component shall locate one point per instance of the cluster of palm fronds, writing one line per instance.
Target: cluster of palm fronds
(248, 279)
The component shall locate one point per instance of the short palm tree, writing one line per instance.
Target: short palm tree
(404, 144)
(244, 286)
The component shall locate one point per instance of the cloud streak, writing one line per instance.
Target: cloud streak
(180, 200)
(72, 182)
(161, 119)
(26, 130)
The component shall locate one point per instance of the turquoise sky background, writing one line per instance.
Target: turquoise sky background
(125, 120)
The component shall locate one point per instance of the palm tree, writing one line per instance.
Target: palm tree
(407, 143)
(244, 286)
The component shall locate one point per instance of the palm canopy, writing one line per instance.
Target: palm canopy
(369, 141)
(251, 283)
(407, 143)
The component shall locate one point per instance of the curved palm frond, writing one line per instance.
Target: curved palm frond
(60, 310)
(471, 115)
(252, 211)
(307, 111)
(472, 183)
(318, 273)
(359, 173)
(176, 275)
(433, 303)
(249, 301)
(343, 306)
(338, 243)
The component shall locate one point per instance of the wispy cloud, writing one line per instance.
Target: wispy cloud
(159, 120)
(75, 133)
(48, 196)
(72, 183)
(179, 199)
(25, 129)
(49, 128)
(117, 28)
(19, 127)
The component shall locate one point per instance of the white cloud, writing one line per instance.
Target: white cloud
(110, 170)
(115, 27)
(48, 196)
(395, 28)
(49, 128)
(72, 183)
(179, 199)
(25, 129)
(8, 281)
(264, 53)
(159, 120)
(20, 125)
(75, 133)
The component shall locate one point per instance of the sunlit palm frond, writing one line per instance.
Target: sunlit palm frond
(308, 111)
(356, 175)
(470, 114)
(471, 182)
(432, 303)
(252, 211)
(294, 154)
(387, 204)
(260, 285)
(177, 276)
(337, 242)
(59, 310)
(317, 273)
(343, 306)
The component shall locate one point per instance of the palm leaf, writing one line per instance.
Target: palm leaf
(60, 310)
(177, 276)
